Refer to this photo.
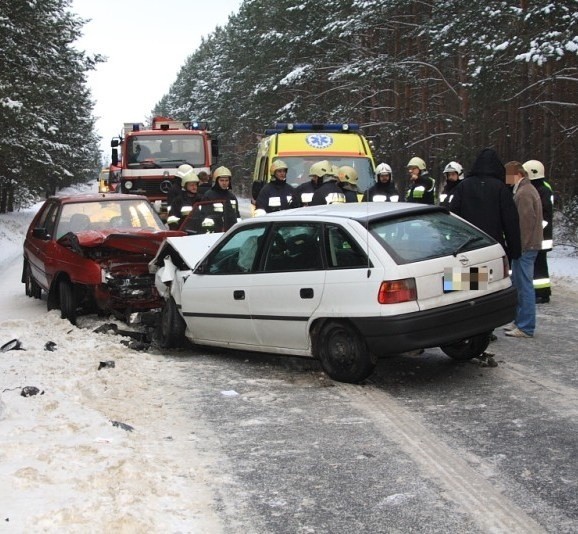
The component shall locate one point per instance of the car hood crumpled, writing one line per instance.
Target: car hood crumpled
(145, 242)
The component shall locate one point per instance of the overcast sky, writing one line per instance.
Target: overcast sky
(146, 43)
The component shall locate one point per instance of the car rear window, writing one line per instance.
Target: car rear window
(425, 236)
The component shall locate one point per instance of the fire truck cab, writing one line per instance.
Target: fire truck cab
(146, 159)
(300, 145)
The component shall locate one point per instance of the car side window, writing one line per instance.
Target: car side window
(342, 250)
(50, 222)
(238, 254)
(294, 247)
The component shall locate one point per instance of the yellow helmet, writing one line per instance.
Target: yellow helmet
(321, 168)
(276, 165)
(190, 177)
(221, 171)
(417, 162)
(348, 174)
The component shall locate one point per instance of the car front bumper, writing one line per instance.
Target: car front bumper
(437, 327)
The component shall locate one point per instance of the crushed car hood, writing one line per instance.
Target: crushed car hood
(140, 241)
(190, 249)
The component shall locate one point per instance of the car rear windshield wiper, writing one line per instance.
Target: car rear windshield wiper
(471, 239)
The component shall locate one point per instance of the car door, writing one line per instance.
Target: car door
(288, 287)
(41, 244)
(216, 298)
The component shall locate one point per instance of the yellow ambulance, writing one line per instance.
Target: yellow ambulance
(300, 145)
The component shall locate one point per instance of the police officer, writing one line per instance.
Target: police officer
(328, 191)
(384, 189)
(277, 195)
(348, 179)
(421, 184)
(542, 284)
(453, 173)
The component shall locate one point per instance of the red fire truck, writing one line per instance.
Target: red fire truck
(144, 160)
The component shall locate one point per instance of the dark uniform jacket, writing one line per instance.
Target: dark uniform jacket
(303, 194)
(230, 205)
(277, 195)
(183, 199)
(484, 199)
(422, 190)
(381, 192)
(328, 193)
(448, 192)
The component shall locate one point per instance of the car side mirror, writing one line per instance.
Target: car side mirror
(39, 232)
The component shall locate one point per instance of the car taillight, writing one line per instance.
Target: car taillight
(395, 291)
(506, 265)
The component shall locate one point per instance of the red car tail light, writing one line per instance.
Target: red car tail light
(395, 291)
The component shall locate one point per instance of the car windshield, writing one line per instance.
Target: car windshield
(165, 151)
(425, 236)
(299, 166)
(107, 214)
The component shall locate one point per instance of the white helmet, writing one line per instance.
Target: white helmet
(535, 169)
(183, 170)
(454, 166)
(383, 168)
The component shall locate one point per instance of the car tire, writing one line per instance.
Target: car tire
(68, 304)
(31, 286)
(171, 330)
(343, 353)
(468, 348)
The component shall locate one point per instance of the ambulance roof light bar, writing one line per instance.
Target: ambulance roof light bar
(304, 127)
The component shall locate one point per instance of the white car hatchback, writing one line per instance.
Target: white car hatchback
(346, 284)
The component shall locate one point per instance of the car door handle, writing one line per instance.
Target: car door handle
(239, 294)
(306, 293)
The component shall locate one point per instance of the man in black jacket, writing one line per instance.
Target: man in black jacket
(484, 199)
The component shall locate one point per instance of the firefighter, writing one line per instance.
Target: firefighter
(177, 185)
(277, 195)
(542, 284)
(453, 173)
(189, 194)
(348, 182)
(328, 191)
(384, 189)
(303, 194)
(421, 184)
(225, 203)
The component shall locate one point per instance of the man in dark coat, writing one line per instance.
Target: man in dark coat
(484, 199)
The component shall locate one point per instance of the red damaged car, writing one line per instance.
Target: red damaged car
(90, 253)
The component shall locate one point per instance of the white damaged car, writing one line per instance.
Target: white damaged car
(346, 284)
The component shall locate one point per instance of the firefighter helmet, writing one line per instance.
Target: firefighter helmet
(321, 168)
(535, 169)
(191, 177)
(383, 168)
(221, 171)
(277, 165)
(417, 162)
(183, 170)
(348, 174)
(454, 166)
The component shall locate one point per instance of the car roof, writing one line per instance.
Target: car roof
(360, 211)
(97, 197)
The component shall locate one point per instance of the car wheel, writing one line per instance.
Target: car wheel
(468, 348)
(31, 286)
(67, 299)
(171, 331)
(343, 354)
